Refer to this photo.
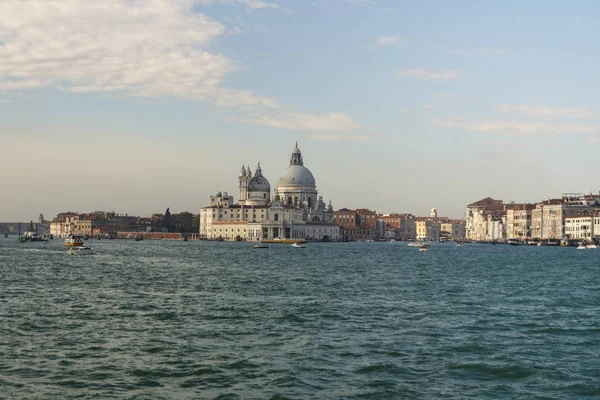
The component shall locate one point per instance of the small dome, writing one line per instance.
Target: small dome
(297, 175)
(218, 194)
(259, 184)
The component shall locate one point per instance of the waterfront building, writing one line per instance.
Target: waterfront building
(496, 227)
(427, 228)
(518, 221)
(68, 224)
(402, 226)
(476, 217)
(360, 224)
(555, 214)
(581, 226)
(295, 212)
(454, 229)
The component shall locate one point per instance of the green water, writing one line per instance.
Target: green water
(177, 320)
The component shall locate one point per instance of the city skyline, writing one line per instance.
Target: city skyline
(397, 107)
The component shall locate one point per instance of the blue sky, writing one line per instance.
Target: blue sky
(135, 106)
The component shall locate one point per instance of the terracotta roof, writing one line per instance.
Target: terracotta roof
(487, 202)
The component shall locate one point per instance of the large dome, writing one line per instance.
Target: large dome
(297, 175)
(259, 184)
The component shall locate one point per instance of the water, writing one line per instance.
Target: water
(176, 320)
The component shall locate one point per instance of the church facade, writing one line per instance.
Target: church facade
(295, 211)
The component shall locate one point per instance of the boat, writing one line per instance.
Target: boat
(418, 244)
(424, 247)
(285, 241)
(298, 246)
(582, 247)
(79, 250)
(261, 246)
(138, 238)
(591, 246)
(6, 235)
(73, 241)
(513, 242)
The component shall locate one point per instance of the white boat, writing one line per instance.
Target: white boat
(582, 247)
(424, 247)
(79, 250)
(418, 244)
(261, 246)
(592, 246)
(73, 241)
(298, 246)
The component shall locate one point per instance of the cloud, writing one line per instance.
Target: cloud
(518, 127)
(151, 50)
(481, 51)
(257, 4)
(4, 101)
(448, 50)
(335, 122)
(147, 50)
(340, 138)
(382, 41)
(549, 111)
(444, 75)
(363, 3)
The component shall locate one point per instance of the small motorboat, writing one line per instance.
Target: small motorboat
(592, 246)
(261, 246)
(298, 246)
(80, 250)
(582, 247)
(424, 247)
(418, 244)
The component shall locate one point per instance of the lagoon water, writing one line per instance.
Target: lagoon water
(177, 320)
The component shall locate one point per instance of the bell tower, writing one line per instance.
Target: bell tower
(244, 179)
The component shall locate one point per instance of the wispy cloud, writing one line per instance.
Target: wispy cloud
(80, 52)
(70, 46)
(335, 122)
(340, 138)
(382, 41)
(459, 97)
(518, 127)
(257, 4)
(481, 51)
(363, 3)
(444, 75)
(249, 4)
(549, 111)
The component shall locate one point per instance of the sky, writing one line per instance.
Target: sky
(134, 106)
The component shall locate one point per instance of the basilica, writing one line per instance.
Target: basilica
(294, 212)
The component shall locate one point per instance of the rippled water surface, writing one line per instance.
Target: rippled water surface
(177, 320)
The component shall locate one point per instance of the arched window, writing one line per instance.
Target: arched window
(310, 202)
(276, 217)
(289, 201)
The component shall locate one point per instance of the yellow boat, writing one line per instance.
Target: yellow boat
(73, 241)
(285, 241)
